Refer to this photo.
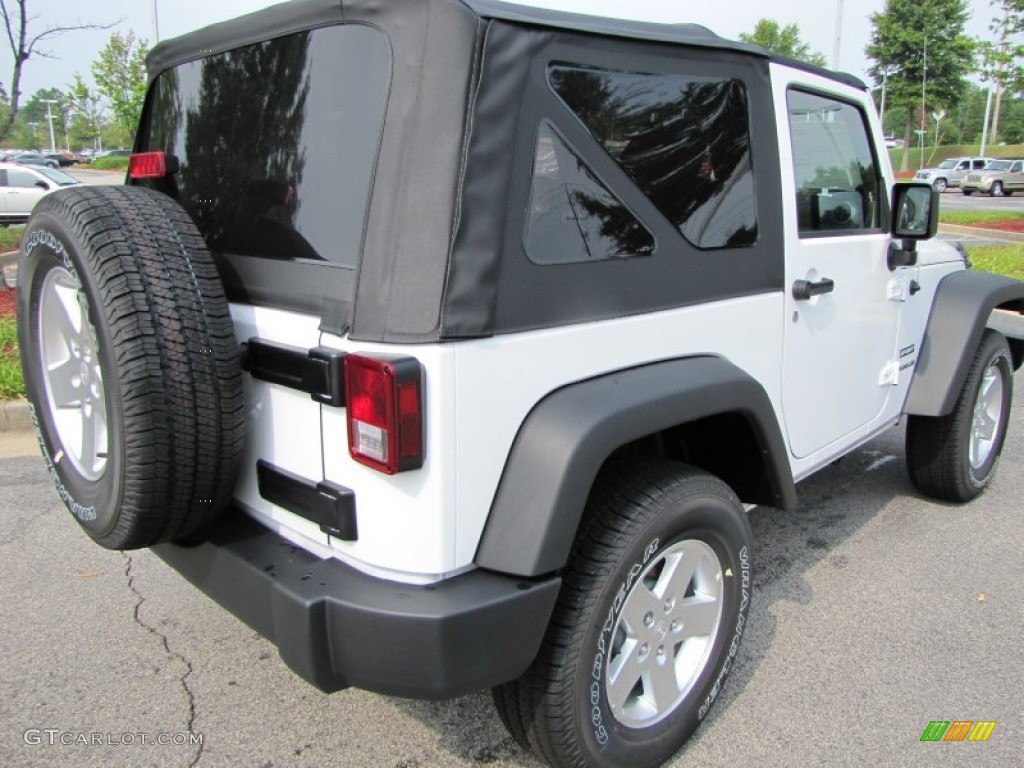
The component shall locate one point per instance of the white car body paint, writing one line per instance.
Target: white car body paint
(423, 526)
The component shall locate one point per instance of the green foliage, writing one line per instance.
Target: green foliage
(10, 238)
(110, 164)
(1001, 259)
(11, 382)
(977, 218)
(85, 124)
(784, 41)
(120, 72)
(921, 52)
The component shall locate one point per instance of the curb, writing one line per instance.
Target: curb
(14, 416)
(9, 269)
(997, 235)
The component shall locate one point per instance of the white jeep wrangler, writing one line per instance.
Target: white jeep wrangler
(444, 341)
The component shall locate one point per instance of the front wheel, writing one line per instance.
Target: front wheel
(647, 625)
(954, 457)
(997, 189)
(941, 185)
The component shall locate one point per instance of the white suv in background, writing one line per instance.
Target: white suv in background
(951, 172)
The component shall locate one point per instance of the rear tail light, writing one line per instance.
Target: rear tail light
(150, 165)
(384, 397)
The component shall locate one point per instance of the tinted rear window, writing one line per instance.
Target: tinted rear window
(277, 142)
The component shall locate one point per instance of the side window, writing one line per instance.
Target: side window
(979, 164)
(16, 178)
(573, 216)
(838, 186)
(683, 140)
(1016, 168)
(964, 166)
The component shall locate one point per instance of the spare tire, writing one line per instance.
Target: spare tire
(131, 364)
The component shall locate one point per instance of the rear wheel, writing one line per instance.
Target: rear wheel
(648, 623)
(131, 366)
(954, 457)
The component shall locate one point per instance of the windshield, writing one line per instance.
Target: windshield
(58, 176)
(998, 165)
(947, 164)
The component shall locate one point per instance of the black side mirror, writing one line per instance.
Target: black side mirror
(915, 216)
(42, 184)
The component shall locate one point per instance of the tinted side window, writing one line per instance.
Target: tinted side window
(277, 141)
(573, 216)
(978, 164)
(684, 141)
(838, 187)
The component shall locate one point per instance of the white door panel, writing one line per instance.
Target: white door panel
(840, 359)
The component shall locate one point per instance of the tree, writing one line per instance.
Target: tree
(24, 44)
(784, 41)
(1002, 61)
(921, 51)
(120, 73)
(88, 113)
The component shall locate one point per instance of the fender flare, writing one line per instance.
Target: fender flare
(960, 311)
(568, 436)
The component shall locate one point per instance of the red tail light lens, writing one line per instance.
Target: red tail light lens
(384, 398)
(147, 165)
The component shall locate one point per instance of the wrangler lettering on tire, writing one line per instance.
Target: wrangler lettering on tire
(130, 364)
(650, 618)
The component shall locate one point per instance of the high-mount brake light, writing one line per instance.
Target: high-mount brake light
(147, 165)
(384, 398)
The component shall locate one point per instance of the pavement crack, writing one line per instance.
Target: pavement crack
(129, 573)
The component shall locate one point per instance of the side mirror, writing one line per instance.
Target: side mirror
(915, 216)
(42, 184)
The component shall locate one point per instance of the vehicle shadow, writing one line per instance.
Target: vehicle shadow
(834, 505)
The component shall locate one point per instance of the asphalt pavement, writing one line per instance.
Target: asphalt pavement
(874, 613)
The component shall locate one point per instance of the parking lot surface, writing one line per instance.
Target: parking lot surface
(875, 612)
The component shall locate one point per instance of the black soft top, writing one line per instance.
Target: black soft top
(441, 250)
(295, 15)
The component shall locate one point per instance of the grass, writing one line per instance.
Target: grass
(10, 238)
(1002, 259)
(110, 164)
(971, 218)
(11, 383)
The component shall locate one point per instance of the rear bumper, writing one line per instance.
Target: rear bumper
(337, 627)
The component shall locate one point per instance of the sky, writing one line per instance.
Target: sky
(75, 51)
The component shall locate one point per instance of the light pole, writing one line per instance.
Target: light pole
(156, 25)
(885, 83)
(49, 119)
(839, 34)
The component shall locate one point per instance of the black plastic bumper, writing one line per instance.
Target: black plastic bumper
(337, 627)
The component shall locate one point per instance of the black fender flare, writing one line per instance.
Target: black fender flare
(569, 434)
(960, 311)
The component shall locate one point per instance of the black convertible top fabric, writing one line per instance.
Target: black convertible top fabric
(442, 219)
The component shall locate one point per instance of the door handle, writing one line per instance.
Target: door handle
(804, 289)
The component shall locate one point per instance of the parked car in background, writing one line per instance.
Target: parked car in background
(951, 172)
(998, 178)
(34, 158)
(64, 159)
(21, 187)
(114, 153)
